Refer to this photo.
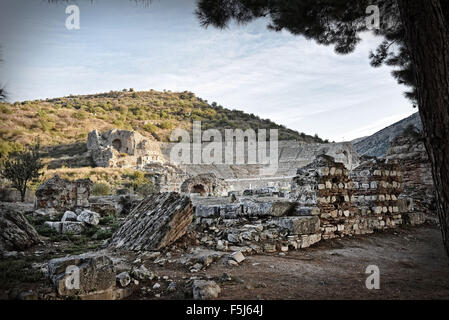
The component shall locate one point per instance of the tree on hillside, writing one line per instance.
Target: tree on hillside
(416, 42)
(21, 168)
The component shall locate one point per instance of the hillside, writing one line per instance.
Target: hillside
(65, 121)
(377, 145)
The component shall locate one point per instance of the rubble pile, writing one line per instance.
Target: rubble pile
(255, 226)
(74, 222)
(156, 222)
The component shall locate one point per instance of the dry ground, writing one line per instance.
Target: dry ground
(412, 264)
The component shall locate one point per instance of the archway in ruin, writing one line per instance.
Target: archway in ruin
(117, 144)
(199, 188)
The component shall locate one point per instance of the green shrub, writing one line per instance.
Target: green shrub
(101, 189)
(80, 115)
(167, 125)
(150, 128)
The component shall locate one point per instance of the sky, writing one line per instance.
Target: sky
(127, 44)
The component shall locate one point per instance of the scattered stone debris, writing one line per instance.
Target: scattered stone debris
(155, 223)
(142, 273)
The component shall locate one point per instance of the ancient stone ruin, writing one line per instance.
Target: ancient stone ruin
(155, 223)
(61, 195)
(205, 184)
(122, 148)
(411, 156)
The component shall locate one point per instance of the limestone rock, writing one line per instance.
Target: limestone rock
(72, 227)
(66, 227)
(299, 225)
(142, 273)
(155, 223)
(89, 217)
(205, 290)
(16, 233)
(69, 216)
(82, 275)
(123, 279)
(45, 212)
(237, 256)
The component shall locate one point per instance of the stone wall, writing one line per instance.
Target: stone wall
(377, 187)
(350, 202)
(411, 155)
(62, 195)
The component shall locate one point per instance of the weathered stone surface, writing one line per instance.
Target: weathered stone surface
(205, 290)
(45, 212)
(272, 208)
(69, 216)
(96, 275)
(16, 233)
(299, 225)
(72, 227)
(123, 279)
(104, 209)
(89, 217)
(155, 223)
(142, 273)
(237, 256)
(66, 227)
(62, 194)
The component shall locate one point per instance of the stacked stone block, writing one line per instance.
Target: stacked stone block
(377, 187)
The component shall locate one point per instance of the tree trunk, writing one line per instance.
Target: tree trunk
(22, 194)
(427, 39)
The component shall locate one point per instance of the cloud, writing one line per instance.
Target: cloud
(288, 79)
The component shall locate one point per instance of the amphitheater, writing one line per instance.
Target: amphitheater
(122, 148)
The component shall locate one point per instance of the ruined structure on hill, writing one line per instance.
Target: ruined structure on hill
(122, 148)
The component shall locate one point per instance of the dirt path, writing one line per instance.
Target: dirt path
(412, 265)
